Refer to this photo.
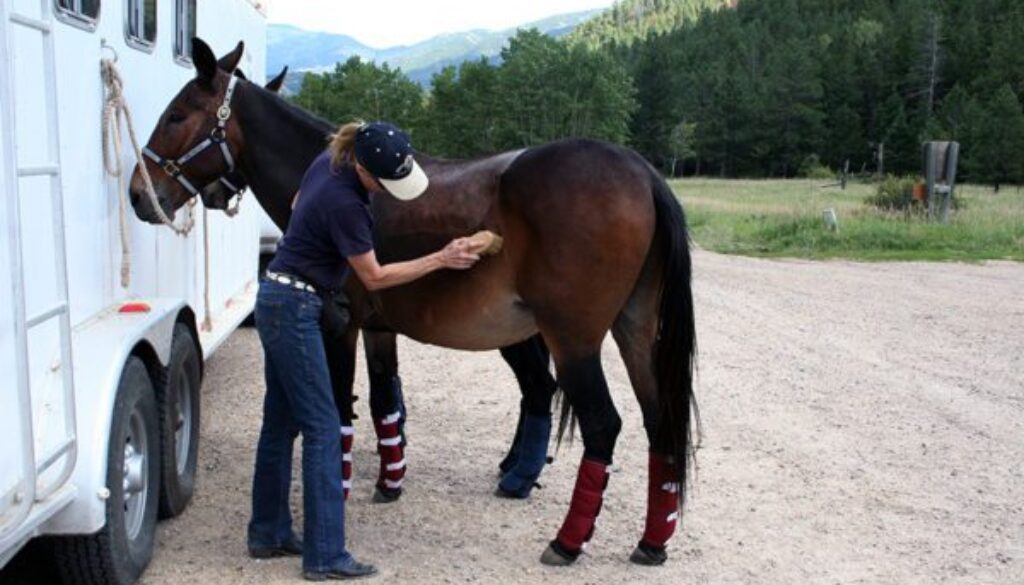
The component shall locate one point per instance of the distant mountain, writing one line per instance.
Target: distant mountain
(632, 20)
(307, 51)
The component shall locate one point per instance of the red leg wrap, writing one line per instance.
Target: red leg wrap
(392, 453)
(586, 505)
(347, 438)
(662, 502)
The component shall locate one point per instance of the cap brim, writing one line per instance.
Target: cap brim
(408, 187)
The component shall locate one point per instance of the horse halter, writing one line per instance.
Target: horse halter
(217, 137)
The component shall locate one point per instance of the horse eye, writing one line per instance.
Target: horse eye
(175, 118)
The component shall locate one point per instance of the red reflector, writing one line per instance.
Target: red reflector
(134, 308)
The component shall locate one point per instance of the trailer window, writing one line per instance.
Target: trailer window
(184, 29)
(140, 24)
(81, 13)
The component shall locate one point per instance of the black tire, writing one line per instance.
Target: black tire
(178, 409)
(121, 550)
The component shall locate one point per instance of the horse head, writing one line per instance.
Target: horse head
(218, 194)
(197, 140)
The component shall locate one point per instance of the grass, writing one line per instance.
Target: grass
(784, 218)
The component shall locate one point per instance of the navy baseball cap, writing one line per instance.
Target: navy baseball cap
(386, 151)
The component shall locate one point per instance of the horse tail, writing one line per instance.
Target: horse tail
(677, 429)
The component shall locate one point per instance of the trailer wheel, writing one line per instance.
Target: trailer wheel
(179, 409)
(121, 550)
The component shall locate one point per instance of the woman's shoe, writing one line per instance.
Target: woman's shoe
(292, 548)
(353, 570)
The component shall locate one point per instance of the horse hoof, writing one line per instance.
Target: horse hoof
(386, 496)
(552, 557)
(648, 556)
(507, 495)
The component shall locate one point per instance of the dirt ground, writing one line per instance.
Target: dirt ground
(863, 423)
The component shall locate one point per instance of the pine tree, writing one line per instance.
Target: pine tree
(999, 144)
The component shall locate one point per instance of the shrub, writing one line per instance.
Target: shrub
(897, 194)
(811, 168)
(894, 194)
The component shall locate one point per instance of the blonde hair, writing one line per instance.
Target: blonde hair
(343, 144)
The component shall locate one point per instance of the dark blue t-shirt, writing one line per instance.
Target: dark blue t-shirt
(331, 221)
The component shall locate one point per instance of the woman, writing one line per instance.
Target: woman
(329, 232)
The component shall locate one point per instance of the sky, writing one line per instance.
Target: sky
(387, 23)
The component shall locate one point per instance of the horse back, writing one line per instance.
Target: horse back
(460, 200)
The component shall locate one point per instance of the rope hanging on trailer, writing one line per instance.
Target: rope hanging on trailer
(116, 112)
(207, 319)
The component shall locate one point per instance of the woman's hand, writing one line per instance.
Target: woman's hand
(457, 254)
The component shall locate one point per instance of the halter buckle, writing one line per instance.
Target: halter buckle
(218, 134)
(223, 113)
(171, 168)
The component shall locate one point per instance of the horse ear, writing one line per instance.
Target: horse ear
(275, 84)
(204, 60)
(241, 75)
(230, 61)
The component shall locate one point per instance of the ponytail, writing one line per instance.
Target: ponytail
(343, 145)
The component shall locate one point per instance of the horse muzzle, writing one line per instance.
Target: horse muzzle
(144, 209)
(215, 196)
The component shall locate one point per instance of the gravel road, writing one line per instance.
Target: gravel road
(863, 423)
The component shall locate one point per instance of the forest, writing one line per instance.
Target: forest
(747, 88)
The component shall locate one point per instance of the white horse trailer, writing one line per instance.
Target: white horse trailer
(99, 395)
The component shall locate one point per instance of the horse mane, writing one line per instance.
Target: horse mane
(297, 115)
(306, 118)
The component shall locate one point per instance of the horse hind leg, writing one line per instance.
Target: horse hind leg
(583, 381)
(530, 361)
(635, 332)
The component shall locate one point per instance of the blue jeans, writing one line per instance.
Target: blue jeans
(298, 400)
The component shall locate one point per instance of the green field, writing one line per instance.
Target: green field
(784, 218)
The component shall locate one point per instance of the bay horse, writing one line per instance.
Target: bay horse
(595, 241)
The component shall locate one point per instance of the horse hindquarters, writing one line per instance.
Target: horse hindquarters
(579, 221)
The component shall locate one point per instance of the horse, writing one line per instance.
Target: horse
(594, 242)
(529, 360)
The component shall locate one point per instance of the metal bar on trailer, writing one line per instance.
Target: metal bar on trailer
(24, 396)
(40, 25)
(57, 207)
(30, 323)
(66, 446)
(51, 170)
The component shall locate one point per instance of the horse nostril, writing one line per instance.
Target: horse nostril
(133, 195)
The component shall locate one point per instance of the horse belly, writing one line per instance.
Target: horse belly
(476, 309)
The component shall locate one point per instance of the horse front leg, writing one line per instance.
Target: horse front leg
(530, 361)
(341, 364)
(387, 408)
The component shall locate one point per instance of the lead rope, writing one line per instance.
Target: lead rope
(232, 210)
(207, 321)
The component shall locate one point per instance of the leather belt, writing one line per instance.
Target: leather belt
(289, 280)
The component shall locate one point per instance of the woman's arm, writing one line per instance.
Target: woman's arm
(375, 277)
